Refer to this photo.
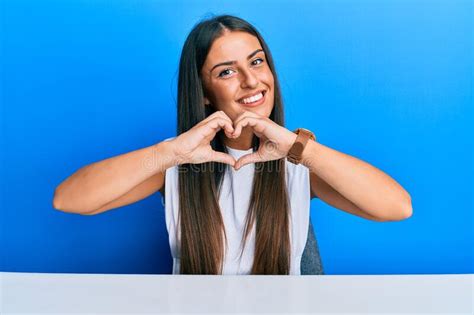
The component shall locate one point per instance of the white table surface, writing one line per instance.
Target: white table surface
(48, 293)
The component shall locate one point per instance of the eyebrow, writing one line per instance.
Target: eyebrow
(229, 63)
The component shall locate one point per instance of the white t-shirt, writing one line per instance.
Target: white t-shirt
(234, 201)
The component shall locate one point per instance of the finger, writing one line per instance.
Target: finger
(224, 115)
(245, 114)
(222, 158)
(214, 115)
(240, 116)
(247, 159)
(225, 124)
(238, 128)
(228, 132)
(257, 125)
(216, 124)
(206, 120)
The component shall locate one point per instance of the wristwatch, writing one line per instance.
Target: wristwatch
(296, 151)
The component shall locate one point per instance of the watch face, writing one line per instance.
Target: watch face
(311, 135)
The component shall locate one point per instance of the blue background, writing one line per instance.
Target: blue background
(389, 82)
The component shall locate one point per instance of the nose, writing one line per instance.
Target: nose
(248, 79)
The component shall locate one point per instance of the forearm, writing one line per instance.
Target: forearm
(99, 183)
(367, 187)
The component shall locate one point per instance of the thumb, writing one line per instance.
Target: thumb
(247, 159)
(222, 158)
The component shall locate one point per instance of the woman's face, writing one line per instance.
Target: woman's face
(236, 73)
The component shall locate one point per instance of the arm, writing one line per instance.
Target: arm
(320, 189)
(129, 177)
(350, 184)
(116, 181)
(354, 186)
(137, 193)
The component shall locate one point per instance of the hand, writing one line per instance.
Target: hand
(194, 145)
(275, 140)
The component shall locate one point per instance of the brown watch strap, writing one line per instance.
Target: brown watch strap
(296, 151)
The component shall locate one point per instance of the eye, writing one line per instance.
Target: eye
(258, 59)
(225, 73)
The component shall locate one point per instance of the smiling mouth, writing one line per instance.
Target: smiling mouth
(257, 98)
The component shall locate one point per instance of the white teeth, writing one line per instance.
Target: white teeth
(252, 99)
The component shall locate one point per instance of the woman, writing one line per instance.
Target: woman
(237, 183)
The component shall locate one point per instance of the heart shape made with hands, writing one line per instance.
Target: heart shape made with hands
(275, 140)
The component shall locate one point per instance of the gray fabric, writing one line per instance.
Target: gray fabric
(311, 260)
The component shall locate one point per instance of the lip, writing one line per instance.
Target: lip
(257, 103)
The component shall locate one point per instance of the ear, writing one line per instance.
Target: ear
(206, 101)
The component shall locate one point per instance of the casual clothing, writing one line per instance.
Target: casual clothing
(234, 201)
(311, 263)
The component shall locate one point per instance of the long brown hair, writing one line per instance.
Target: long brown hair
(202, 231)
